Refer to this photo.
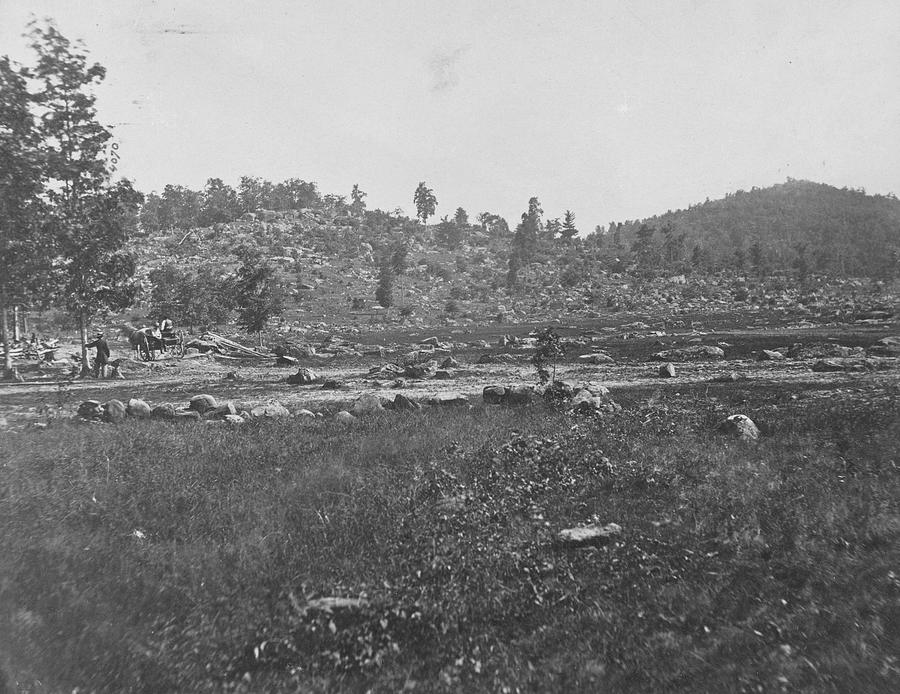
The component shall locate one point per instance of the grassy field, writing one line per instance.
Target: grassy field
(153, 557)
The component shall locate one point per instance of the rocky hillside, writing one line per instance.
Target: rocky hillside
(328, 265)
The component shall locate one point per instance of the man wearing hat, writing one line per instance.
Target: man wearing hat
(102, 358)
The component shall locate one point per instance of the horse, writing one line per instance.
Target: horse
(139, 342)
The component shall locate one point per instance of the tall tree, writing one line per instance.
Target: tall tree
(92, 218)
(569, 231)
(357, 201)
(219, 203)
(21, 248)
(425, 202)
(256, 293)
(525, 241)
(461, 217)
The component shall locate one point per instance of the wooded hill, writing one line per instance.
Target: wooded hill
(830, 230)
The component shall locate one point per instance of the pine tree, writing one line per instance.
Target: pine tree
(569, 231)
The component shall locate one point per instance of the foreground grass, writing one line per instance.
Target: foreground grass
(154, 558)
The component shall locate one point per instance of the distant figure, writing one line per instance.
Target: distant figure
(102, 358)
(167, 327)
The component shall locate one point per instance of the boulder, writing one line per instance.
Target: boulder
(519, 395)
(344, 417)
(271, 410)
(589, 535)
(444, 374)
(585, 402)
(449, 363)
(302, 377)
(493, 395)
(401, 402)
(202, 403)
(422, 370)
(739, 426)
(164, 411)
(305, 414)
(285, 360)
(597, 389)
(233, 419)
(90, 409)
(560, 390)
(332, 384)
(770, 355)
(137, 408)
(114, 411)
(366, 405)
(223, 410)
(667, 370)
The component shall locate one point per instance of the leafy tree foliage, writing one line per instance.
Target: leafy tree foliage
(219, 203)
(449, 234)
(425, 202)
(461, 218)
(192, 298)
(24, 253)
(92, 218)
(547, 354)
(384, 292)
(257, 295)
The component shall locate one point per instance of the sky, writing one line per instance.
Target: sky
(614, 110)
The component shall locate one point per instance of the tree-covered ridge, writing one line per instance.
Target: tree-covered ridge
(830, 230)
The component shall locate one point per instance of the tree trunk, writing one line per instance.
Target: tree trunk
(17, 336)
(4, 335)
(82, 333)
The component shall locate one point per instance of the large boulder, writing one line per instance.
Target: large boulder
(493, 395)
(90, 409)
(344, 417)
(770, 355)
(366, 405)
(519, 395)
(202, 403)
(138, 408)
(739, 426)
(114, 411)
(303, 377)
(164, 411)
(667, 370)
(421, 370)
(401, 402)
(586, 402)
(223, 410)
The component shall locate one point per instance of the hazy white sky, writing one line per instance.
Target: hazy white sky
(612, 109)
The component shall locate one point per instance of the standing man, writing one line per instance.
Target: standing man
(102, 358)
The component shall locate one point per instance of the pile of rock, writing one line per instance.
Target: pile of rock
(201, 407)
(584, 398)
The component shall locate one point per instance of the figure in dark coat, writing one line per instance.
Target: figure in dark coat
(102, 358)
